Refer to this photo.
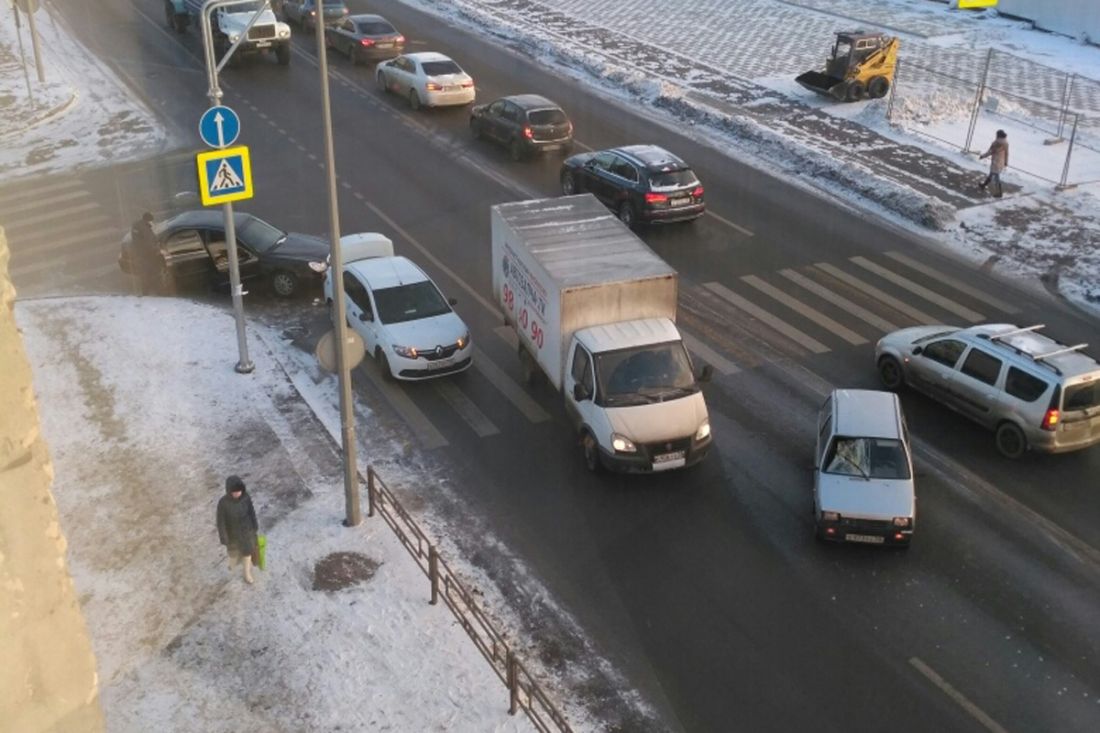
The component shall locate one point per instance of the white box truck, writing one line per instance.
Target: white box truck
(594, 310)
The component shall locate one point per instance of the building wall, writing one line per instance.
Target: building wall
(1070, 17)
(47, 669)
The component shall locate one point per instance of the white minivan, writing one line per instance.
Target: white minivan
(863, 470)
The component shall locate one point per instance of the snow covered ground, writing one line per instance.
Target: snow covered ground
(83, 114)
(728, 69)
(144, 417)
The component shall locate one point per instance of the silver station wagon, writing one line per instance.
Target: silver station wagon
(1033, 392)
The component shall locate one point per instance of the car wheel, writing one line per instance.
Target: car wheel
(1011, 441)
(515, 150)
(568, 184)
(889, 372)
(626, 214)
(380, 78)
(283, 283)
(591, 452)
(384, 366)
(414, 100)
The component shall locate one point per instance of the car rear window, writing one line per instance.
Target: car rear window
(376, 29)
(439, 68)
(664, 179)
(546, 117)
(1081, 396)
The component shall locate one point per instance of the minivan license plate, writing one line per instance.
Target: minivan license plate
(869, 539)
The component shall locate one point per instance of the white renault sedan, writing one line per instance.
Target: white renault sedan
(426, 79)
(405, 322)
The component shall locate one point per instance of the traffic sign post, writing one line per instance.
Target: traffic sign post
(30, 7)
(224, 175)
(219, 127)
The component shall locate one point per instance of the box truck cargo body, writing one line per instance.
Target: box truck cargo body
(594, 310)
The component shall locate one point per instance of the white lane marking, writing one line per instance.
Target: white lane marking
(805, 310)
(917, 315)
(953, 282)
(23, 193)
(721, 364)
(808, 342)
(729, 223)
(976, 712)
(465, 408)
(509, 335)
(65, 260)
(919, 290)
(582, 146)
(508, 387)
(62, 227)
(422, 428)
(19, 223)
(843, 303)
(106, 233)
(433, 259)
(40, 203)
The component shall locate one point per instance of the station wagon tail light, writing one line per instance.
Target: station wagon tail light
(698, 192)
(467, 84)
(1050, 420)
(366, 42)
(655, 198)
(528, 133)
(433, 87)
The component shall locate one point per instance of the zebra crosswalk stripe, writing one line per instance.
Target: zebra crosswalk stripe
(919, 290)
(805, 310)
(917, 315)
(839, 301)
(953, 282)
(802, 339)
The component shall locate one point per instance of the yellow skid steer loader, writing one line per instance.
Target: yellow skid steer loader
(862, 65)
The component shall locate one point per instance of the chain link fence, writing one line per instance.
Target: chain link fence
(524, 693)
(960, 99)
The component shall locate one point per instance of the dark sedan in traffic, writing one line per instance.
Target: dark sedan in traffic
(191, 252)
(640, 183)
(365, 38)
(524, 124)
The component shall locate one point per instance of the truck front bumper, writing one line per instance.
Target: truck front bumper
(641, 461)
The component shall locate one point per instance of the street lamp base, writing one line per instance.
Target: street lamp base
(245, 367)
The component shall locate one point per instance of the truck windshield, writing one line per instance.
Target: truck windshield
(644, 374)
(868, 457)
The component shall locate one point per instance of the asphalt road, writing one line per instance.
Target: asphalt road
(705, 587)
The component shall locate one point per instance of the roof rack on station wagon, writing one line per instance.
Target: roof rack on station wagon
(1058, 352)
(1014, 332)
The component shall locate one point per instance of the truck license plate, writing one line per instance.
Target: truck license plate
(665, 461)
(263, 44)
(868, 539)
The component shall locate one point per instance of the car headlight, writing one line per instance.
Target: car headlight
(406, 351)
(903, 521)
(703, 432)
(830, 516)
(622, 444)
(284, 32)
(464, 341)
(318, 266)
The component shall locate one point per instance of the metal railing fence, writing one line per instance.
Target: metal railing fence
(524, 693)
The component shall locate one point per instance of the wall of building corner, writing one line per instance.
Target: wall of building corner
(48, 671)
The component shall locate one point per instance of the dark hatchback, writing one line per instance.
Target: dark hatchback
(523, 123)
(640, 183)
(194, 254)
(365, 38)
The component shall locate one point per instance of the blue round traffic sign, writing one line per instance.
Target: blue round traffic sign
(219, 126)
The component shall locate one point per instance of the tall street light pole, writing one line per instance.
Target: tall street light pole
(347, 418)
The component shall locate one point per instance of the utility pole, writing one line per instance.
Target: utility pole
(347, 416)
(30, 7)
(244, 363)
(22, 56)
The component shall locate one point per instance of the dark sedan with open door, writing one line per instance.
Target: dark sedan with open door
(192, 253)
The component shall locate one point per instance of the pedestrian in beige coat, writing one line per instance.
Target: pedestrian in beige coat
(998, 161)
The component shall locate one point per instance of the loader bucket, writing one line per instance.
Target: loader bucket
(815, 81)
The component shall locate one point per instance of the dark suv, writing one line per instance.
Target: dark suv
(524, 123)
(641, 183)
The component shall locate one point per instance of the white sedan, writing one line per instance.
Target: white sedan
(405, 322)
(426, 79)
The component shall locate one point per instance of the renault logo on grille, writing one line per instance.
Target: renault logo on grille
(439, 351)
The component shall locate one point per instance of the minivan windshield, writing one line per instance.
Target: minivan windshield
(868, 457)
(644, 374)
(410, 302)
(1081, 396)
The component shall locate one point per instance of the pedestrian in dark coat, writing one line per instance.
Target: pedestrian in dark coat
(998, 161)
(146, 254)
(237, 525)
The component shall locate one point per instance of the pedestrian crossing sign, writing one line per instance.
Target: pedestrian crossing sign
(224, 175)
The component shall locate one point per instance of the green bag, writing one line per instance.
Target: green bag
(259, 553)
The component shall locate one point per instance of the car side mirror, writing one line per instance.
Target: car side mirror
(918, 350)
(706, 374)
(452, 301)
(580, 394)
(366, 316)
